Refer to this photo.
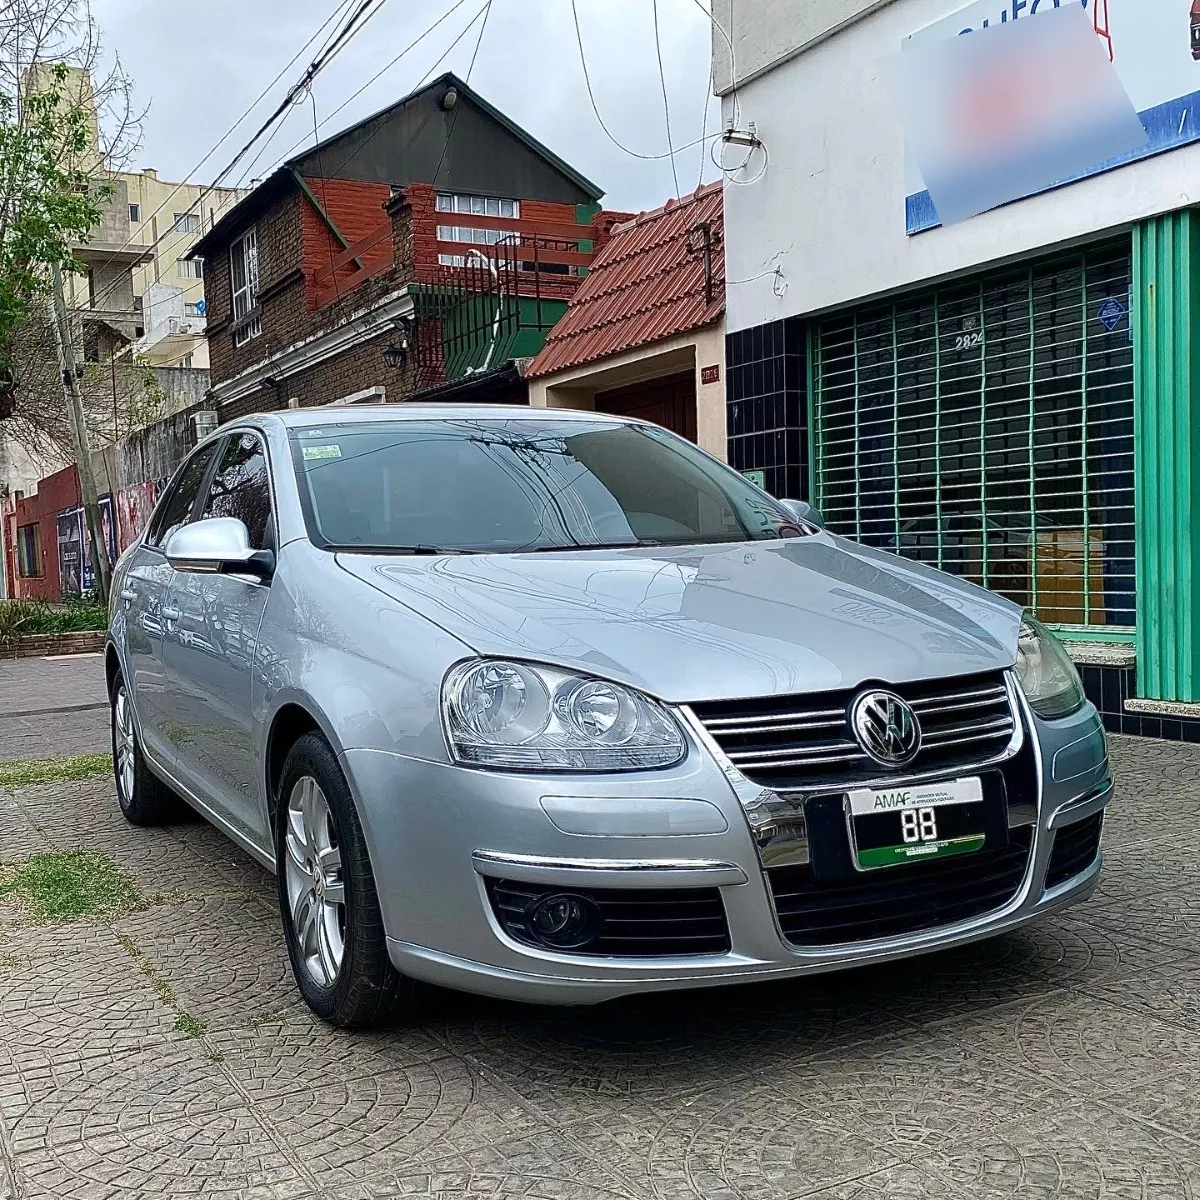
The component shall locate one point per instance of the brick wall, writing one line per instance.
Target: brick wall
(295, 246)
(55, 492)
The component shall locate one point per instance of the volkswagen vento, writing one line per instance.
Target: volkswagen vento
(552, 705)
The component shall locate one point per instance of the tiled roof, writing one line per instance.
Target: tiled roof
(646, 285)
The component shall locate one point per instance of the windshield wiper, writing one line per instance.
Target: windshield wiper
(417, 550)
(591, 546)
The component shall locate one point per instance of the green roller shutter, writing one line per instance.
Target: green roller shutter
(986, 427)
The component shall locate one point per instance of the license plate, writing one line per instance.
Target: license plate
(891, 826)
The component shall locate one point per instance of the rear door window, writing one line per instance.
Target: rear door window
(176, 507)
(241, 488)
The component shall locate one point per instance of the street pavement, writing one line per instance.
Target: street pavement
(53, 706)
(1061, 1061)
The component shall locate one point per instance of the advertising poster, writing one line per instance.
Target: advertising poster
(110, 541)
(1154, 46)
(70, 557)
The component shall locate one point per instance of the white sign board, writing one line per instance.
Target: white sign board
(1154, 46)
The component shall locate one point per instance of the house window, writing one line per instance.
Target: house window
(187, 223)
(466, 233)
(480, 206)
(135, 213)
(243, 275)
(190, 268)
(29, 556)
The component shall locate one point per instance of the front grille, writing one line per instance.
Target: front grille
(897, 900)
(1075, 849)
(797, 741)
(634, 922)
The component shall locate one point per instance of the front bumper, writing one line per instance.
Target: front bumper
(437, 832)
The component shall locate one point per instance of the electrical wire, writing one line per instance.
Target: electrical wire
(487, 12)
(731, 172)
(779, 286)
(662, 79)
(587, 79)
(327, 53)
(343, 4)
(382, 70)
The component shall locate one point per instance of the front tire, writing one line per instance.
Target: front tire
(144, 799)
(327, 897)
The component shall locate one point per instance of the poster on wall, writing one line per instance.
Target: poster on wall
(134, 505)
(1154, 46)
(70, 556)
(109, 534)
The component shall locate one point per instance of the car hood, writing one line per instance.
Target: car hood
(711, 622)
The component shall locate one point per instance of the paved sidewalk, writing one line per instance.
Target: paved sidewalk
(1062, 1061)
(53, 706)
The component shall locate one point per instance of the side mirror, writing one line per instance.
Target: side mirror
(803, 511)
(217, 546)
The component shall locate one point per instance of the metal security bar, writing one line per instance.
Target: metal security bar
(986, 428)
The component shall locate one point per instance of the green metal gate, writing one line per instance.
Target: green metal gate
(986, 427)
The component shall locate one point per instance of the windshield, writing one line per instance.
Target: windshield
(504, 486)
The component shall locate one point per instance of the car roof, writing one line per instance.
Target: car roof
(367, 413)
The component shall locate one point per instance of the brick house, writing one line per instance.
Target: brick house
(30, 527)
(437, 231)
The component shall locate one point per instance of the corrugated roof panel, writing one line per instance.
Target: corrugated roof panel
(646, 285)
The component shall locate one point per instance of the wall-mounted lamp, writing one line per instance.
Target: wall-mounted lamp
(395, 355)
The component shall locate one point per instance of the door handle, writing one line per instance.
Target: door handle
(170, 614)
(128, 594)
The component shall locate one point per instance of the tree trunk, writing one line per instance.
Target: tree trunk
(79, 436)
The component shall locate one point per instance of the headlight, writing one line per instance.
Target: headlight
(1046, 673)
(521, 717)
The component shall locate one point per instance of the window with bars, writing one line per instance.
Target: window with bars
(243, 276)
(986, 428)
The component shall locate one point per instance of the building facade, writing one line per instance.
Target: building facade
(431, 242)
(1013, 397)
(644, 336)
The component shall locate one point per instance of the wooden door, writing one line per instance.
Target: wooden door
(669, 402)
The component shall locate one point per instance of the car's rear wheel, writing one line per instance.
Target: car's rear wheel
(327, 896)
(143, 797)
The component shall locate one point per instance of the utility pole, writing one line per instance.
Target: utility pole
(79, 435)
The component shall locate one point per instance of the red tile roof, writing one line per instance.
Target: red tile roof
(643, 287)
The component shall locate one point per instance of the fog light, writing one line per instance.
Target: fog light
(564, 921)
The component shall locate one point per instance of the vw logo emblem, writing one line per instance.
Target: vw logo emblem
(886, 728)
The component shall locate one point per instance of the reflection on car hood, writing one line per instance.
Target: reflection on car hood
(709, 622)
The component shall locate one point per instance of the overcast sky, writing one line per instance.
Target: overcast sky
(200, 64)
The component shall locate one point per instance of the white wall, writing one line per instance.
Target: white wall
(764, 32)
(830, 207)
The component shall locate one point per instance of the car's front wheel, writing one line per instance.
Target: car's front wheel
(327, 896)
(143, 797)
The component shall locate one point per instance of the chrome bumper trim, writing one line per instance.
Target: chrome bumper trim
(607, 872)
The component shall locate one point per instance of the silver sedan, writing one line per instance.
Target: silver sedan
(554, 706)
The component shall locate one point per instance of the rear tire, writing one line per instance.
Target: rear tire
(144, 799)
(327, 897)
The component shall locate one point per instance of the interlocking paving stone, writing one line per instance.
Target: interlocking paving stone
(1062, 1060)
(1080, 1153)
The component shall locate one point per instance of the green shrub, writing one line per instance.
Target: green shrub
(21, 617)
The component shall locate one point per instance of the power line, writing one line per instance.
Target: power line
(487, 12)
(338, 10)
(662, 79)
(382, 70)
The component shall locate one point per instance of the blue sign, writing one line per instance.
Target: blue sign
(200, 307)
(1111, 313)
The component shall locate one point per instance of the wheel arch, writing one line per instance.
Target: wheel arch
(112, 666)
(293, 717)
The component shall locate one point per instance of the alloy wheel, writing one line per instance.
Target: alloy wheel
(316, 891)
(123, 729)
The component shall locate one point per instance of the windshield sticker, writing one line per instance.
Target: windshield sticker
(311, 452)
